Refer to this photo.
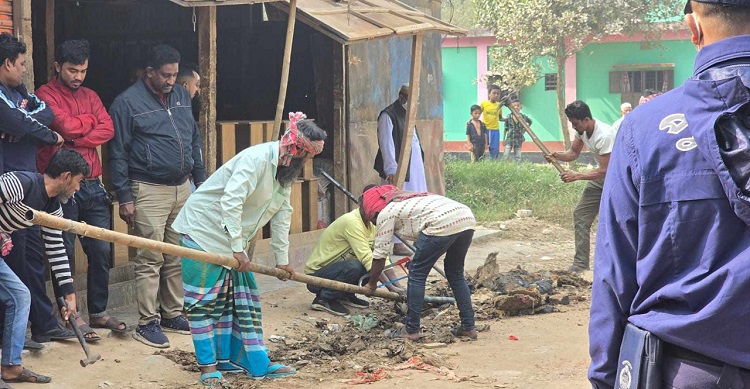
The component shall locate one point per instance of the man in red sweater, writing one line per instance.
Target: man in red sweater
(84, 123)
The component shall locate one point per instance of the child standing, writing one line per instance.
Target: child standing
(492, 114)
(476, 134)
(514, 131)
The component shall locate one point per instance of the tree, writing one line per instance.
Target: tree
(557, 29)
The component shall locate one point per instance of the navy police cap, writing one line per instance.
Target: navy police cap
(689, 8)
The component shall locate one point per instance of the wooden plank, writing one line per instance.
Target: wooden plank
(268, 131)
(296, 200)
(22, 29)
(49, 28)
(310, 205)
(285, 66)
(207, 36)
(227, 135)
(257, 130)
(120, 252)
(340, 135)
(411, 111)
(307, 170)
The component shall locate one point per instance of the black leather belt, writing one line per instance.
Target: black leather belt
(683, 353)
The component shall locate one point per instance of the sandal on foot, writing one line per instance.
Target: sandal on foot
(214, 375)
(227, 367)
(59, 332)
(273, 371)
(89, 334)
(29, 376)
(460, 332)
(112, 324)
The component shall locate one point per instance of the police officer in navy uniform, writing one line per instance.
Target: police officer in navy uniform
(673, 245)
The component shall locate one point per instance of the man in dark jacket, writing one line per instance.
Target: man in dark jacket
(156, 147)
(674, 228)
(85, 124)
(24, 122)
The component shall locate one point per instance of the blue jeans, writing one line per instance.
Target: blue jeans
(28, 263)
(348, 271)
(91, 205)
(429, 249)
(15, 296)
(494, 143)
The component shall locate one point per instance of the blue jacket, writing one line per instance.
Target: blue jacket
(23, 116)
(154, 142)
(673, 244)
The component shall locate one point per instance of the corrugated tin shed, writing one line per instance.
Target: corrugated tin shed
(356, 20)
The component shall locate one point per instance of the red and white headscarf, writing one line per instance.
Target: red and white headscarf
(377, 197)
(294, 142)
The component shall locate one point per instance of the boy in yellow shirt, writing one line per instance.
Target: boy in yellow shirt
(492, 114)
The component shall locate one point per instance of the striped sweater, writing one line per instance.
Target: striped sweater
(433, 215)
(20, 192)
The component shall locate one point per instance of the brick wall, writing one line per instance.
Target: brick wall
(6, 16)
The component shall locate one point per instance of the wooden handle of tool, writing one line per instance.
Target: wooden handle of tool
(82, 229)
(534, 138)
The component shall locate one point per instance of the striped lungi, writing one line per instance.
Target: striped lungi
(223, 308)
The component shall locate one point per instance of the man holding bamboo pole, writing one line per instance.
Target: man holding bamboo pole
(230, 208)
(599, 138)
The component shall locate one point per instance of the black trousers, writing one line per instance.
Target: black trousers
(348, 271)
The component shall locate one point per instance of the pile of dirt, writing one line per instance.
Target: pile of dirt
(519, 292)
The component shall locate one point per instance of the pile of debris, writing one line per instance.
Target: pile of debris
(338, 348)
(519, 292)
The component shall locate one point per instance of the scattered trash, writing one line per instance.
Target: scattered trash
(513, 337)
(430, 346)
(105, 384)
(524, 213)
(276, 338)
(365, 322)
(362, 377)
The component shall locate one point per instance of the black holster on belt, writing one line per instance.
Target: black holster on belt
(639, 365)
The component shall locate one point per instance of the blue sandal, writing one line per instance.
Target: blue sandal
(273, 372)
(214, 375)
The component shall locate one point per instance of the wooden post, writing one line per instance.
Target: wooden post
(411, 110)
(49, 26)
(83, 229)
(285, 67)
(535, 138)
(340, 133)
(22, 30)
(207, 55)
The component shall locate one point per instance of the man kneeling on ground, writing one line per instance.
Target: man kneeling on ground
(344, 254)
(20, 192)
(438, 225)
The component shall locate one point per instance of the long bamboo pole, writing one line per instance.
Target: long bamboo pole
(286, 62)
(58, 223)
(535, 138)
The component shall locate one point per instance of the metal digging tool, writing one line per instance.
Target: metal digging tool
(352, 198)
(90, 359)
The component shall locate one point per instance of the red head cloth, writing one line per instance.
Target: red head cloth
(294, 142)
(377, 197)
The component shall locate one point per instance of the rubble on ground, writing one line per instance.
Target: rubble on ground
(317, 343)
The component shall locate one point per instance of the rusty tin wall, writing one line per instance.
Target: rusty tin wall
(376, 70)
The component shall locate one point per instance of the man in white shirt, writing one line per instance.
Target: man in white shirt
(598, 139)
(391, 123)
(625, 109)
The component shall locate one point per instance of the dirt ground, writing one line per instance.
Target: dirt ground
(515, 351)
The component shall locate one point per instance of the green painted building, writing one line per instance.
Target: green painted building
(604, 75)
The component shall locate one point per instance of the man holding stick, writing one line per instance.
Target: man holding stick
(599, 139)
(224, 213)
(19, 192)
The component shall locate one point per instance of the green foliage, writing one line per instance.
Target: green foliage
(462, 13)
(496, 190)
(558, 29)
